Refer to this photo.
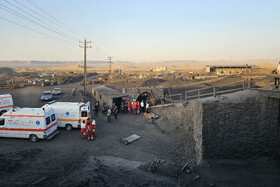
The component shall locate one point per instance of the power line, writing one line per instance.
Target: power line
(49, 26)
(28, 19)
(37, 18)
(73, 31)
(33, 30)
(41, 15)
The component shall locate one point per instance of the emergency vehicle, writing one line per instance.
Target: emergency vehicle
(6, 103)
(32, 123)
(70, 114)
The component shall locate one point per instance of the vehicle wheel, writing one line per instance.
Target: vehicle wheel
(33, 138)
(68, 127)
(2, 112)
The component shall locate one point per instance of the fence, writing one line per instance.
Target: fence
(213, 92)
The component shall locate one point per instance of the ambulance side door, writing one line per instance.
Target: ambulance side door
(3, 123)
(89, 112)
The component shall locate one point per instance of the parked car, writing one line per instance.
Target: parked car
(46, 96)
(57, 91)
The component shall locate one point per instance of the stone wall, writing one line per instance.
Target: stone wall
(239, 125)
(240, 129)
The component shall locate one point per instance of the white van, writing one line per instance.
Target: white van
(70, 114)
(6, 103)
(32, 123)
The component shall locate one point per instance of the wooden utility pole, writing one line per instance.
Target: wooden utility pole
(110, 62)
(85, 62)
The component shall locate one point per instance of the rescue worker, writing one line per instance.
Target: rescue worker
(83, 129)
(138, 107)
(109, 115)
(89, 130)
(87, 121)
(129, 107)
(134, 107)
(93, 123)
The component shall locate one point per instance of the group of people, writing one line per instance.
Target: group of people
(136, 107)
(88, 128)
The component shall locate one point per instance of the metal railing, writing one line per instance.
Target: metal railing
(214, 92)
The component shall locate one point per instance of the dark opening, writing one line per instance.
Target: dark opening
(118, 101)
(84, 113)
(146, 97)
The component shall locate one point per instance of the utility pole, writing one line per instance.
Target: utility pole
(85, 61)
(110, 62)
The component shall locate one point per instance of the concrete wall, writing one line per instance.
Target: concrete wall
(104, 98)
(239, 125)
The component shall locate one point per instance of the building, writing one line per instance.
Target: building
(107, 95)
(229, 69)
(160, 68)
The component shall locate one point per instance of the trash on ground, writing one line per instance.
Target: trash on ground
(130, 139)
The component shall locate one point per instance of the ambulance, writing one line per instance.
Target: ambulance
(6, 103)
(70, 114)
(32, 123)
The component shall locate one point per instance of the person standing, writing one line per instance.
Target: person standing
(122, 107)
(116, 113)
(142, 105)
(109, 115)
(138, 107)
(147, 107)
(89, 130)
(96, 109)
(83, 129)
(134, 107)
(93, 123)
(129, 107)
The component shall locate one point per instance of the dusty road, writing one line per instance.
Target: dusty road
(154, 160)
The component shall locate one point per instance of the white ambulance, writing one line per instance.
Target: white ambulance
(32, 123)
(70, 114)
(6, 103)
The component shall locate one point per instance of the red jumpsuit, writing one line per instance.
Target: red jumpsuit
(134, 107)
(89, 131)
(138, 107)
(129, 107)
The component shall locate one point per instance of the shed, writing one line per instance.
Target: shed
(107, 95)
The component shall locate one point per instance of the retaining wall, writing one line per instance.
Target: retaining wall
(240, 125)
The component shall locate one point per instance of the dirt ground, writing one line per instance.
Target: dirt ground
(157, 159)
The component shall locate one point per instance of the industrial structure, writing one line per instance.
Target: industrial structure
(229, 69)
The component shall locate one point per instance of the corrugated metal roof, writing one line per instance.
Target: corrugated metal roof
(109, 92)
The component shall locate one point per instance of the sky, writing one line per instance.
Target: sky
(141, 30)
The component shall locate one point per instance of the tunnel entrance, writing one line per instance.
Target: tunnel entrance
(146, 97)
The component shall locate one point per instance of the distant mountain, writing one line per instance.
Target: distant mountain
(38, 63)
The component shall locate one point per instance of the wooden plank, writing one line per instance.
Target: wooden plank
(147, 115)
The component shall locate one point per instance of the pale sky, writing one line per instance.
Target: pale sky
(143, 30)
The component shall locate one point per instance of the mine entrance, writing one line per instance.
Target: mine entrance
(146, 97)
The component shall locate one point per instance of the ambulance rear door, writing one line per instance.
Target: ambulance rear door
(85, 111)
(51, 123)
